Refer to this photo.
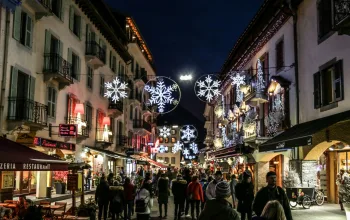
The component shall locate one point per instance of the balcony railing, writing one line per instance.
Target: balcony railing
(104, 136)
(83, 126)
(118, 105)
(24, 109)
(142, 124)
(94, 49)
(121, 140)
(46, 3)
(55, 64)
(341, 11)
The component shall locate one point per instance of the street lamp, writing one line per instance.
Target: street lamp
(186, 77)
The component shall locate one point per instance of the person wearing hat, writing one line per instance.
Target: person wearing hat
(245, 195)
(269, 193)
(210, 191)
(219, 207)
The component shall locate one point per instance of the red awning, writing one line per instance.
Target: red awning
(155, 163)
(17, 157)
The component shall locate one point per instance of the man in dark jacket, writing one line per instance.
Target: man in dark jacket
(188, 178)
(179, 187)
(102, 198)
(163, 194)
(271, 192)
(245, 195)
(219, 208)
(129, 195)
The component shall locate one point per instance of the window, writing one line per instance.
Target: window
(74, 22)
(173, 140)
(173, 160)
(166, 159)
(137, 71)
(51, 102)
(102, 86)
(57, 8)
(328, 84)
(280, 54)
(88, 115)
(131, 112)
(23, 27)
(114, 64)
(89, 77)
(325, 18)
(75, 62)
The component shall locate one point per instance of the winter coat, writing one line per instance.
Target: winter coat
(245, 196)
(163, 190)
(210, 190)
(195, 189)
(102, 192)
(117, 198)
(188, 179)
(263, 196)
(179, 190)
(218, 210)
(129, 192)
(144, 194)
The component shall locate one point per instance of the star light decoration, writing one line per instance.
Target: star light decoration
(238, 80)
(187, 154)
(177, 147)
(164, 132)
(188, 133)
(163, 149)
(116, 90)
(208, 89)
(194, 148)
(162, 95)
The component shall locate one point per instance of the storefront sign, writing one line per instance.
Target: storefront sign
(38, 141)
(287, 144)
(72, 181)
(67, 130)
(24, 166)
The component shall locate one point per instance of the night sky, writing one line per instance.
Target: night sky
(189, 36)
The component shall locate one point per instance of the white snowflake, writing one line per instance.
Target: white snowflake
(260, 84)
(164, 132)
(186, 152)
(116, 89)
(163, 149)
(161, 94)
(177, 147)
(188, 133)
(209, 88)
(194, 147)
(238, 80)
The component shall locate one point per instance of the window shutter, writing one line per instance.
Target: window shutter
(29, 32)
(317, 90)
(32, 88)
(338, 81)
(70, 56)
(110, 59)
(14, 77)
(60, 45)
(47, 41)
(80, 26)
(78, 68)
(17, 23)
(60, 5)
(71, 18)
(88, 33)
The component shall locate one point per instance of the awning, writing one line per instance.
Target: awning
(155, 163)
(109, 153)
(301, 134)
(17, 157)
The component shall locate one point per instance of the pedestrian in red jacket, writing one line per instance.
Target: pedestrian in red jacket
(195, 195)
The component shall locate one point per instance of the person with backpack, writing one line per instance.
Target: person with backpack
(219, 208)
(245, 195)
(179, 190)
(163, 194)
(195, 195)
(269, 193)
(143, 203)
(117, 200)
(129, 195)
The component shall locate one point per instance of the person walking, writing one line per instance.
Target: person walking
(219, 208)
(129, 195)
(269, 193)
(116, 205)
(210, 191)
(163, 195)
(341, 186)
(188, 178)
(143, 202)
(195, 194)
(102, 198)
(179, 190)
(233, 184)
(245, 195)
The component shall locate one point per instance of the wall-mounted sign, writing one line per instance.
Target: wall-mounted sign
(38, 141)
(72, 181)
(67, 130)
(24, 166)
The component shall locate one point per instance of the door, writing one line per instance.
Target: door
(22, 102)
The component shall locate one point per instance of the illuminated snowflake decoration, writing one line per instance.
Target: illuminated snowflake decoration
(260, 84)
(163, 149)
(177, 147)
(164, 132)
(116, 90)
(238, 80)
(162, 95)
(188, 133)
(194, 147)
(208, 89)
(186, 152)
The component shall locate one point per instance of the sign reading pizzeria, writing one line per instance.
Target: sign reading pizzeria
(67, 130)
(38, 141)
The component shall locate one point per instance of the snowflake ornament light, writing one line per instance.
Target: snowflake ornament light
(194, 148)
(208, 89)
(163, 96)
(177, 147)
(116, 90)
(260, 84)
(164, 132)
(186, 152)
(163, 149)
(188, 133)
(238, 80)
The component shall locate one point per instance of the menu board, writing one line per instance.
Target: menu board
(72, 182)
(67, 130)
(8, 179)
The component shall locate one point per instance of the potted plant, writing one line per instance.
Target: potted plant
(88, 209)
(60, 178)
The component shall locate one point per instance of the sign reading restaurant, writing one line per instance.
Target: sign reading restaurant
(24, 166)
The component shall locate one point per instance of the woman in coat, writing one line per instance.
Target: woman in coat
(245, 195)
(195, 195)
(163, 194)
(116, 206)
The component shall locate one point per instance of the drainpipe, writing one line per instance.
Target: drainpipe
(4, 66)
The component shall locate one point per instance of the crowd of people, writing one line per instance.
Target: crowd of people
(197, 195)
